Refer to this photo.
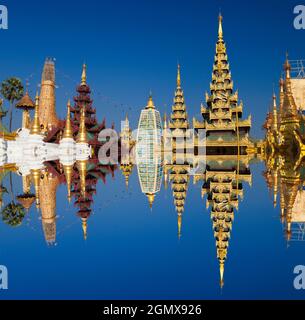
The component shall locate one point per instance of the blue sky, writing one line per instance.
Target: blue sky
(132, 47)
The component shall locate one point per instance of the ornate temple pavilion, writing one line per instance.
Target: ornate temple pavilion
(222, 116)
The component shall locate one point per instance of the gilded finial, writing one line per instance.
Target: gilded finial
(68, 169)
(179, 225)
(35, 128)
(150, 103)
(151, 199)
(84, 75)
(220, 32)
(82, 133)
(221, 271)
(165, 121)
(84, 227)
(36, 181)
(68, 128)
(281, 85)
(178, 76)
(274, 101)
(287, 66)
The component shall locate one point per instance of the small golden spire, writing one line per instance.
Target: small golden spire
(165, 121)
(220, 32)
(287, 67)
(84, 226)
(179, 225)
(178, 77)
(82, 133)
(275, 116)
(82, 170)
(282, 85)
(221, 271)
(150, 103)
(68, 128)
(84, 75)
(282, 215)
(35, 128)
(68, 169)
(151, 199)
(36, 180)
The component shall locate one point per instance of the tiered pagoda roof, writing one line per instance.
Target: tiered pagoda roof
(180, 179)
(83, 99)
(179, 118)
(223, 111)
(223, 187)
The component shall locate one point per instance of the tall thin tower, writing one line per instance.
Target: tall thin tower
(47, 111)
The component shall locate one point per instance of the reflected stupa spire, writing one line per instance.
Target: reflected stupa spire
(151, 199)
(36, 180)
(35, 128)
(179, 221)
(84, 227)
(68, 170)
(82, 170)
(221, 272)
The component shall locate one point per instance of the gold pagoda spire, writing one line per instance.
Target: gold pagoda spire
(179, 220)
(82, 133)
(68, 169)
(82, 170)
(179, 118)
(35, 127)
(150, 103)
(165, 121)
(178, 76)
(151, 199)
(68, 133)
(84, 227)
(84, 75)
(36, 173)
(275, 188)
(289, 114)
(221, 272)
(220, 31)
(275, 116)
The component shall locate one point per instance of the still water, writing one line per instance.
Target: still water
(133, 251)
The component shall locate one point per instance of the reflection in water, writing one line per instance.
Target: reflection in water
(47, 152)
(283, 151)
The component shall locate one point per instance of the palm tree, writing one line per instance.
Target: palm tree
(12, 90)
(13, 214)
